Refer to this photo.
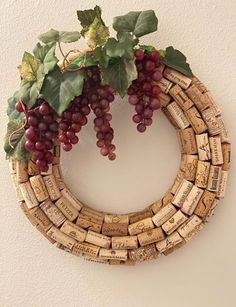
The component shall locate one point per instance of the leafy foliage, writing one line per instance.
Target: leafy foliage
(17, 150)
(177, 60)
(97, 34)
(147, 48)
(83, 60)
(46, 55)
(54, 36)
(86, 17)
(29, 66)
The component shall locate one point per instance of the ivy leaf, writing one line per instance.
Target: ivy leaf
(177, 60)
(96, 34)
(139, 23)
(86, 17)
(60, 88)
(147, 48)
(83, 60)
(29, 66)
(46, 55)
(120, 75)
(54, 36)
(17, 151)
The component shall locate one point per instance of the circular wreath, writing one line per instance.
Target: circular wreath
(53, 104)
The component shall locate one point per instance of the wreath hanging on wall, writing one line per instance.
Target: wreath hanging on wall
(52, 105)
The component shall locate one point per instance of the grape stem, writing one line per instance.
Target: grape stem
(14, 132)
(59, 46)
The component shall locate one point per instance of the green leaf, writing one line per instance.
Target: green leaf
(123, 47)
(120, 75)
(17, 150)
(29, 66)
(54, 36)
(86, 17)
(138, 23)
(60, 88)
(46, 55)
(176, 60)
(96, 34)
(147, 48)
(83, 60)
(101, 56)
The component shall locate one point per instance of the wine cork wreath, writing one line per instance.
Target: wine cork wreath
(163, 226)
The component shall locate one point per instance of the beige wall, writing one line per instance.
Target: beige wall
(202, 274)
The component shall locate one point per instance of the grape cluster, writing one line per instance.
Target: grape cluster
(41, 130)
(144, 92)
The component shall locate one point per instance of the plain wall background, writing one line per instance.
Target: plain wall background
(35, 274)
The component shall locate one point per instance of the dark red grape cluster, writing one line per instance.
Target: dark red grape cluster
(41, 130)
(144, 91)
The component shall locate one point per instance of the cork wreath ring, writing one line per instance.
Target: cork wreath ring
(52, 106)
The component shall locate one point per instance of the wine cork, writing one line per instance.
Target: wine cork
(182, 192)
(56, 154)
(56, 170)
(183, 162)
(33, 169)
(41, 218)
(196, 120)
(39, 188)
(226, 150)
(85, 249)
(204, 204)
(178, 180)
(169, 242)
(12, 166)
(211, 211)
(188, 141)
(96, 259)
(52, 187)
(192, 200)
(98, 239)
(166, 199)
(197, 97)
(203, 147)
(181, 98)
(93, 213)
(216, 150)
(44, 233)
(202, 88)
(26, 211)
(115, 229)
(89, 223)
(126, 242)
(174, 222)
(19, 195)
(21, 171)
(151, 236)
(147, 252)
(224, 135)
(163, 215)
(164, 85)
(116, 218)
(140, 226)
(222, 184)
(62, 247)
(191, 167)
(28, 194)
(60, 237)
(202, 174)
(164, 99)
(212, 104)
(113, 254)
(53, 213)
(48, 172)
(121, 262)
(214, 178)
(214, 126)
(169, 117)
(74, 231)
(177, 77)
(178, 115)
(71, 198)
(190, 228)
(140, 215)
(67, 208)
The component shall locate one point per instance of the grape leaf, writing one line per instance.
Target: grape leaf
(120, 75)
(60, 88)
(83, 60)
(96, 34)
(29, 66)
(46, 55)
(86, 17)
(139, 23)
(54, 36)
(101, 57)
(176, 60)
(147, 48)
(17, 151)
(123, 47)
